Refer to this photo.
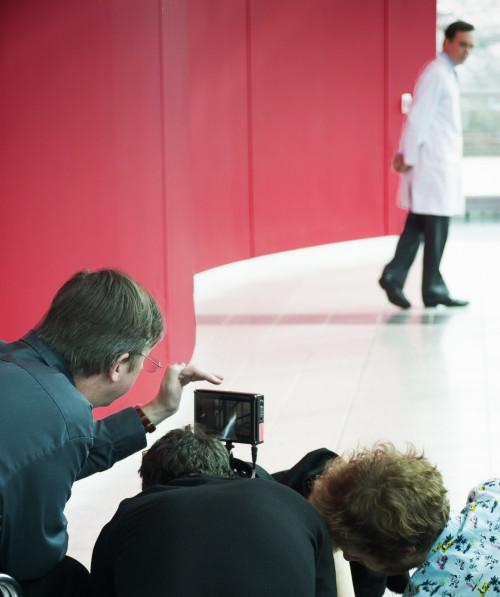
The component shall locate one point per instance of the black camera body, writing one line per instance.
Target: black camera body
(234, 416)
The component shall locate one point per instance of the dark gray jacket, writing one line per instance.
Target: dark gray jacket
(48, 439)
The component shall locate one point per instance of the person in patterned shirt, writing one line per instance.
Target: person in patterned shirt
(465, 558)
(389, 511)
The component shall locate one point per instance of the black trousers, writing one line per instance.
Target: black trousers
(69, 578)
(433, 232)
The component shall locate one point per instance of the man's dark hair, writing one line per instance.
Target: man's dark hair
(452, 29)
(97, 316)
(181, 453)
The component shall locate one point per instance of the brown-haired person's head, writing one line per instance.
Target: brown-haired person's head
(383, 508)
(104, 324)
(97, 316)
(458, 41)
(184, 452)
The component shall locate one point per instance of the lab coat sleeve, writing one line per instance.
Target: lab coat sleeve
(424, 105)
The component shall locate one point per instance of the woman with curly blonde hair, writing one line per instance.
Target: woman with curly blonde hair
(388, 511)
(382, 507)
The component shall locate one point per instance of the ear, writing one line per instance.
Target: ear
(413, 558)
(117, 367)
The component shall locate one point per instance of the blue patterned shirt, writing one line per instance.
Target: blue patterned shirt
(465, 559)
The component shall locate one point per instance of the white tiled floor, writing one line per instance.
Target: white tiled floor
(339, 365)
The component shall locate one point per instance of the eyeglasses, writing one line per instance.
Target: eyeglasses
(150, 365)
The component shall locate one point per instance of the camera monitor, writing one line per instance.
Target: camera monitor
(233, 416)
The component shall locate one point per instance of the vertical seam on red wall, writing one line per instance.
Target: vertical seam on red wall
(251, 206)
(163, 143)
(386, 118)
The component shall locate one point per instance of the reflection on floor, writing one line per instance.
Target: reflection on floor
(339, 366)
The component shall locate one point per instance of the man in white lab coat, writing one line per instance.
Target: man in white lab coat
(428, 160)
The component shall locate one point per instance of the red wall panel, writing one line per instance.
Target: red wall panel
(219, 131)
(308, 153)
(317, 75)
(177, 249)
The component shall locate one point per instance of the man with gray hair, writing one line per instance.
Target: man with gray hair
(87, 351)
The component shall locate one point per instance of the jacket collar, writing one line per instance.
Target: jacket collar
(52, 358)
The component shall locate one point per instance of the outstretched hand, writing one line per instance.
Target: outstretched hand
(192, 372)
(166, 403)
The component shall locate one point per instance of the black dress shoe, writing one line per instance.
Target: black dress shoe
(394, 291)
(447, 301)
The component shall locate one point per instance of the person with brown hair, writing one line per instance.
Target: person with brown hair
(389, 511)
(197, 529)
(88, 350)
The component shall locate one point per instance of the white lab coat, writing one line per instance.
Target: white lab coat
(431, 142)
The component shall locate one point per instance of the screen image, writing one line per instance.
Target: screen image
(231, 419)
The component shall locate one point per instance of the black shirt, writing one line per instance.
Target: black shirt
(204, 536)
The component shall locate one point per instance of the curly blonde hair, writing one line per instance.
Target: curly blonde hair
(380, 502)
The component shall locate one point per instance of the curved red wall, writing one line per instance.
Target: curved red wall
(295, 118)
(166, 137)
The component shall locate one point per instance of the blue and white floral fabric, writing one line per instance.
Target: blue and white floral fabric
(465, 560)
